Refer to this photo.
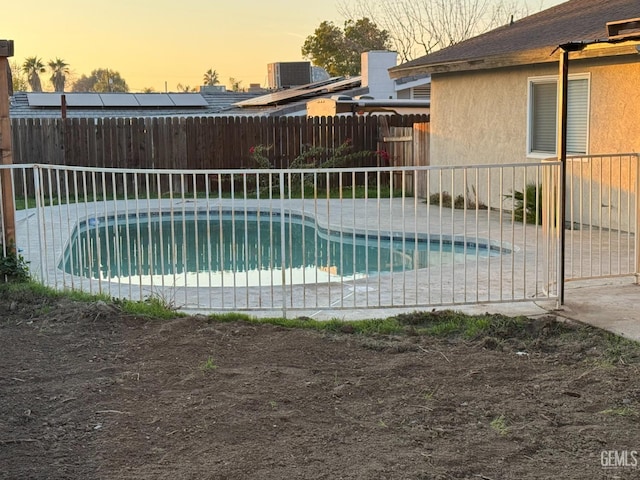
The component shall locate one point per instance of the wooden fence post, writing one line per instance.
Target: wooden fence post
(9, 231)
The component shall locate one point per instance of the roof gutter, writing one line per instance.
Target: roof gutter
(582, 45)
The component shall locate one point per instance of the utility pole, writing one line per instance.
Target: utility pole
(8, 208)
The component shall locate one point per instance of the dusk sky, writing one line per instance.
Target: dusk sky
(151, 42)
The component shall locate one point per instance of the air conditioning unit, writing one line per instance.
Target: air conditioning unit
(289, 74)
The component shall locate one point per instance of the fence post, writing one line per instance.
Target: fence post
(551, 226)
(8, 208)
(561, 151)
(283, 250)
(37, 182)
(636, 232)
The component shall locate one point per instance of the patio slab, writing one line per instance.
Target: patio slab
(610, 304)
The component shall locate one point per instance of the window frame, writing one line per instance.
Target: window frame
(531, 81)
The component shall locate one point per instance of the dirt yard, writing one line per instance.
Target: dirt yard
(89, 392)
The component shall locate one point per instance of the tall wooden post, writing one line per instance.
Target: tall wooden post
(8, 208)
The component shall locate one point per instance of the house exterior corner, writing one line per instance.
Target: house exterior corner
(483, 117)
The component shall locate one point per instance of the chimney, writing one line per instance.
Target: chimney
(375, 67)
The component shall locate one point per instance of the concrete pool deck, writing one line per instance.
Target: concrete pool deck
(609, 303)
(612, 304)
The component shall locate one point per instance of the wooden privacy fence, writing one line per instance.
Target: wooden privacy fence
(406, 146)
(190, 143)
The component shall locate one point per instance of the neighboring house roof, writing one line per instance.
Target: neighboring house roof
(413, 81)
(293, 94)
(124, 105)
(293, 101)
(287, 102)
(526, 41)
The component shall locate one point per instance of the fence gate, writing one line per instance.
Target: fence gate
(602, 216)
(407, 147)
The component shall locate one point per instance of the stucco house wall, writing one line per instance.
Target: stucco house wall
(475, 119)
(479, 111)
(615, 105)
(481, 117)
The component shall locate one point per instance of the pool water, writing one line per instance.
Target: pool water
(244, 249)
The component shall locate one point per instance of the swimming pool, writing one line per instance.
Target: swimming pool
(244, 248)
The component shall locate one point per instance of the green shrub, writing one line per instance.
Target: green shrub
(528, 204)
(13, 266)
(443, 199)
(311, 157)
(460, 202)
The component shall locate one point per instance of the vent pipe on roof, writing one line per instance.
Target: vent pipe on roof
(623, 28)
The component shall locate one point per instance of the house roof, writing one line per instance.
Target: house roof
(529, 40)
(125, 105)
(294, 94)
(293, 101)
(206, 103)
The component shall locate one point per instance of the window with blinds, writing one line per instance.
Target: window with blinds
(543, 115)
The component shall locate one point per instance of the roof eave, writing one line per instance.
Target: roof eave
(528, 57)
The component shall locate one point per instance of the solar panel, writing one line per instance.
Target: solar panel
(344, 84)
(188, 100)
(283, 96)
(43, 99)
(154, 100)
(298, 93)
(119, 100)
(83, 100)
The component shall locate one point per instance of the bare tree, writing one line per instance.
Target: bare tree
(236, 85)
(185, 88)
(419, 27)
(20, 83)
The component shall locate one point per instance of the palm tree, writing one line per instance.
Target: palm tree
(59, 70)
(211, 77)
(33, 67)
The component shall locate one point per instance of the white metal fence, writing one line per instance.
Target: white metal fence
(602, 216)
(293, 239)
